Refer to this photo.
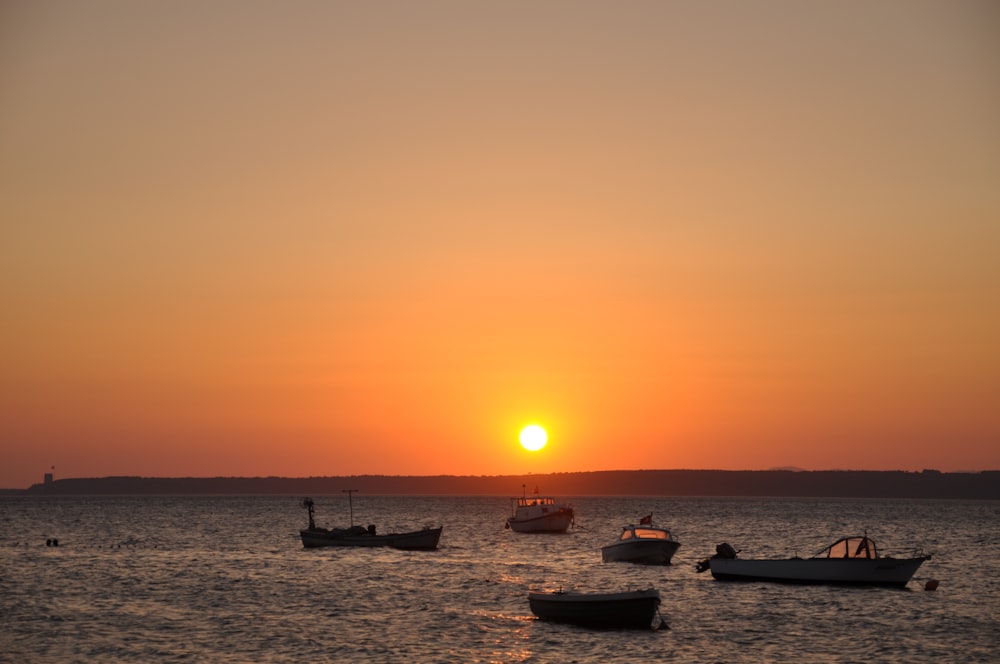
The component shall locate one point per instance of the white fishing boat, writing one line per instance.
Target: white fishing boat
(539, 514)
(634, 609)
(848, 561)
(315, 536)
(644, 543)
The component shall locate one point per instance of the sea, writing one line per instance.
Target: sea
(226, 579)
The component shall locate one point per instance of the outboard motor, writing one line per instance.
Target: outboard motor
(724, 550)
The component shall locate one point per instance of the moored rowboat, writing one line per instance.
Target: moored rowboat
(634, 609)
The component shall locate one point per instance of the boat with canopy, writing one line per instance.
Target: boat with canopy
(852, 560)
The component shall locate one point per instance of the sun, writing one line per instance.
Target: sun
(533, 437)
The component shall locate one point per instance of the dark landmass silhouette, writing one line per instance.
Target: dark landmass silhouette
(776, 483)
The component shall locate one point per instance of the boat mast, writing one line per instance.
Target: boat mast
(308, 504)
(350, 502)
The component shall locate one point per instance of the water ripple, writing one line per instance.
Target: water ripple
(172, 579)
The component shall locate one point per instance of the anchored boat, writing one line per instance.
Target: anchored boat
(645, 543)
(539, 514)
(848, 561)
(314, 536)
(634, 609)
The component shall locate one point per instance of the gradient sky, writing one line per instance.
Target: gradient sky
(325, 238)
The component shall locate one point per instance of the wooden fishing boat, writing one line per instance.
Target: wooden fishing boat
(314, 536)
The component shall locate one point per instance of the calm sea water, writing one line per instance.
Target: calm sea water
(226, 579)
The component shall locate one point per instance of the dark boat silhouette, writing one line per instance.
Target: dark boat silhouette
(314, 536)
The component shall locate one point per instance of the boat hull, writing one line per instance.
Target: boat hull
(635, 609)
(641, 551)
(893, 572)
(425, 539)
(555, 522)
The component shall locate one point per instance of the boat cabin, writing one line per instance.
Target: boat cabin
(640, 532)
(535, 501)
(851, 547)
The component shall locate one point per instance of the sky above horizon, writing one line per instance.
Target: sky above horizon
(327, 238)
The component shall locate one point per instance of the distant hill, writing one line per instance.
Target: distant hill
(778, 483)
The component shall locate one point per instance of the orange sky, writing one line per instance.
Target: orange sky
(257, 238)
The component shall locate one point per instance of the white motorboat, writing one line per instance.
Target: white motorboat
(848, 561)
(645, 543)
(539, 514)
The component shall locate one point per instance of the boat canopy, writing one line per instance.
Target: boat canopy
(645, 533)
(851, 547)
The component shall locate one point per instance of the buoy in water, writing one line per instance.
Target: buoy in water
(931, 585)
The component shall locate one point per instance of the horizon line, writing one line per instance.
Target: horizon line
(499, 475)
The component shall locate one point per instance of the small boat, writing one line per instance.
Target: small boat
(539, 514)
(635, 608)
(848, 561)
(645, 543)
(314, 536)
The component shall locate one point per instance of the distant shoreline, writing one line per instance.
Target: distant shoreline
(719, 483)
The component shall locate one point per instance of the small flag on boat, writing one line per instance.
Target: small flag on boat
(647, 520)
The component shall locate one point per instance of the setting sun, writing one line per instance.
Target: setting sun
(533, 438)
